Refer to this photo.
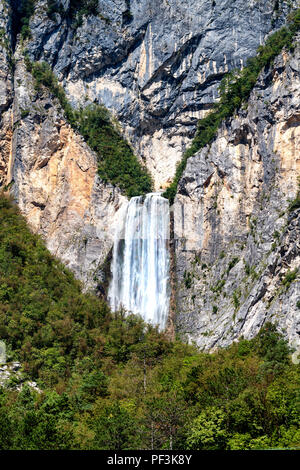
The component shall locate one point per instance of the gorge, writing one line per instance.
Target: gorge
(157, 71)
(149, 225)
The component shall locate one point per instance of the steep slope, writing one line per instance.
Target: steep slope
(157, 67)
(236, 231)
(155, 64)
(56, 184)
(6, 91)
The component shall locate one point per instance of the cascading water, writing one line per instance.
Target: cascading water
(140, 266)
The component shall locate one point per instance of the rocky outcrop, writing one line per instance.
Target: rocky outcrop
(12, 377)
(6, 91)
(237, 243)
(155, 64)
(54, 180)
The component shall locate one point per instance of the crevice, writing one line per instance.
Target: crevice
(21, 12)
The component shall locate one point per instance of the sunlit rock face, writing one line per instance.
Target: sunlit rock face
(53, 177)
(6, 92)
(236, 240)
(158, 68)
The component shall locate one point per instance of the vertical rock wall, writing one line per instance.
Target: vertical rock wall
(6, 91)
(156, 64)
(55, 183)
(237, 242)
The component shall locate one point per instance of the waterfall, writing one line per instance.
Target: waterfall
(140, 265)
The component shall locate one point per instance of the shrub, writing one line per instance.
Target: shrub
(187, 279)
(232, 263)
(289, 278)
(54, 6)
(117, 163)
(80, 8)
(21, 18)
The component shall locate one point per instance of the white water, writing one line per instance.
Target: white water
(140, 266)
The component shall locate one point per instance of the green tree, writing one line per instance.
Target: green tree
(115, 428)
(208, 431)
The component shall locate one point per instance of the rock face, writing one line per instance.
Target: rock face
(156, 64)
(55, 182)
(237, 244)
(6, 91)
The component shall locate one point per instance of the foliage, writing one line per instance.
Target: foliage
(117, 163)
(289, 277)
(232, 263)
(112, 382)
(53, 7)
(235, 89)
(208, 430)
(295, 204)
(188, 281)
(79, 8)
(48, 321)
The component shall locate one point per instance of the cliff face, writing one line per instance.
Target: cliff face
(54, 179)
(155, 64)
(237, 244)
(6, 91)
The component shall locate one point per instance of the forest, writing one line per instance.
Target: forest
(109, 381)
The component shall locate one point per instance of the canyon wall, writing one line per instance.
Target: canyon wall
(156, 65)
(237, 243)
(55, 182)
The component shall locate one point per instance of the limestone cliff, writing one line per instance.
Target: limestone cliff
(6, 91)
(237, 242)
(156, 65)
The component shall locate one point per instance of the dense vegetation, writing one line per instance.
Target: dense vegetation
(110, 382)
(24, 9)
(235, 89)
(117, 163)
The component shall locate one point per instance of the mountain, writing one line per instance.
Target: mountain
(157, 68)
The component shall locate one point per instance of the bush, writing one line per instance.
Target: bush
(117, 163)
(80, 8)
(54, 6)
(21, 18)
